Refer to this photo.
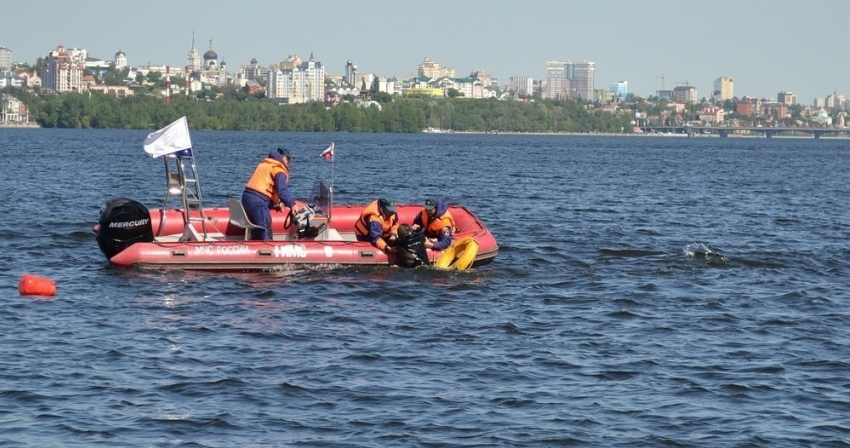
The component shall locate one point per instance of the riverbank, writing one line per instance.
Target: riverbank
(644, 135)
(30, 125)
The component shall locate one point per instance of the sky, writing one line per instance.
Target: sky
(765, 46)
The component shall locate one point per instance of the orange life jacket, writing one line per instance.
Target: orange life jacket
(262, 181)
(433, 228)
(372, 213)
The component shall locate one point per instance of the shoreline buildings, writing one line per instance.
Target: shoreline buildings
(292, 81)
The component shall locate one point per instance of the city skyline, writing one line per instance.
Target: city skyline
(765, 47)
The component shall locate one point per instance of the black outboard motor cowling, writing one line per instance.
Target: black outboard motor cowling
(122, 223)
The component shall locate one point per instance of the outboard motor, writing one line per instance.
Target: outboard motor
(122, 223)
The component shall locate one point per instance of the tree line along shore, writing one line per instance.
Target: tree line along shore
(243, 112)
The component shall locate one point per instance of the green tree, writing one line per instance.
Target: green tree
(115, 77)
(347, 117)
(382, 97)
(235, 110)
(154, 77)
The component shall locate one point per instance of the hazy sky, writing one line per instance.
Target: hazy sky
(766, 46)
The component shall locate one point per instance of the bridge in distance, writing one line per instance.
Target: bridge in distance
(723, 131)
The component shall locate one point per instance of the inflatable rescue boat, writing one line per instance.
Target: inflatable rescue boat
(190, 236)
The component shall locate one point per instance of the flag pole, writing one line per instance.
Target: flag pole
(326, 154)
(331, 189)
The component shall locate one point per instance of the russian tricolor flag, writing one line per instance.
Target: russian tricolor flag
(328, 153)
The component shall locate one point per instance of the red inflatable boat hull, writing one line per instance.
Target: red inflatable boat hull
(220, 245)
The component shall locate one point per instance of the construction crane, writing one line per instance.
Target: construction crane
(662, 80)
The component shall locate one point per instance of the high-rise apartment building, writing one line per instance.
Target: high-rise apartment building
(835, 101)
(62, 71)
(723, 89)
(570, 80)
(621, 89)
(582, 82)
(685, 94)
(557, 83)
(314, 75)
(787, 98)
(302, 83)
(431, 69)
(5, 59)
(522, 85)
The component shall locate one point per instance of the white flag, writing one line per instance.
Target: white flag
(170, 139)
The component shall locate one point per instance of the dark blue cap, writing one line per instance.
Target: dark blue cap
(387, 204)
(284, 152)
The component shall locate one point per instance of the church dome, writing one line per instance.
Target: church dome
(120, 54)
(210, 54)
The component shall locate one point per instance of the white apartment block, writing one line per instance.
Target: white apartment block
(5, 58)
(301, 84)
(522, 85)
(723, 89)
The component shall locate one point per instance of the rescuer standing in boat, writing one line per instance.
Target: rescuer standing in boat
(378, 224)
(267, 188)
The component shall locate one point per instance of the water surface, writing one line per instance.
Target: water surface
(598, 324)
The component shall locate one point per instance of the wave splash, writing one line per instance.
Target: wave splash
(702, 250)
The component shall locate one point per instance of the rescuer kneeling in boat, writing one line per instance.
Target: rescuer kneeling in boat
(378, 224)
(438, 223)
(266, 188)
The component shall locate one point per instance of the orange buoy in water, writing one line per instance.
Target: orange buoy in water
(31, 285)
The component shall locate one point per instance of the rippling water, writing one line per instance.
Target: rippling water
(648, 292)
